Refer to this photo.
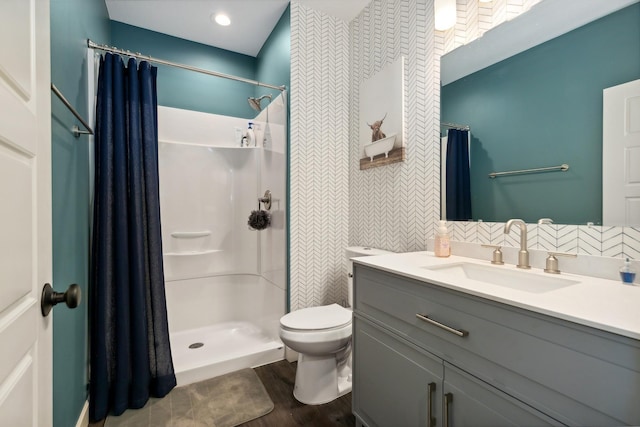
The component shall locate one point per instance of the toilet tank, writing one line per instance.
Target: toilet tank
(356, 251)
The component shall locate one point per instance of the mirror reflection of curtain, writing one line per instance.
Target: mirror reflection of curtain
(458, 190)
(130, 351)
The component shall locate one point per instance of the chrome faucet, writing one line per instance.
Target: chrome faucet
(523, 255)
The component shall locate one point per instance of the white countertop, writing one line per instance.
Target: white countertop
(599, 303)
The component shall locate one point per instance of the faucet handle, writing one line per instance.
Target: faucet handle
(497, 254)
(552, 261)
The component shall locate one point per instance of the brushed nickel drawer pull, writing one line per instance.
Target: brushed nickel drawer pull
(448, 400)
(458, 332)
(431, 420)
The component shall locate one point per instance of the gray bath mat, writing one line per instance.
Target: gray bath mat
(232, 399)
(224, 401)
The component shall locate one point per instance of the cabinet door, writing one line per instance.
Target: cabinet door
(471, 402)
(394, 383)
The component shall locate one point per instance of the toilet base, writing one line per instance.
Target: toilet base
(319, 380)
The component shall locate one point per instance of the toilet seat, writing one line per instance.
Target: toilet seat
(322, 318)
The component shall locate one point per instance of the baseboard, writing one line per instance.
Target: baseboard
(83, 419)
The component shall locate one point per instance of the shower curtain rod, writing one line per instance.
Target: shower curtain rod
(137, 55)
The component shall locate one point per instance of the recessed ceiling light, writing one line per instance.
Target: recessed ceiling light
(221, 19)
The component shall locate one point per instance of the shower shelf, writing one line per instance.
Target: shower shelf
(190, 253)
(190, 234)
(233, 147)
(192, 144)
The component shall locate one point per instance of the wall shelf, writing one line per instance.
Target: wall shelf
(193, 253)
(190, 234)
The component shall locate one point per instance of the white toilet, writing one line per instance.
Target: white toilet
(322, 337)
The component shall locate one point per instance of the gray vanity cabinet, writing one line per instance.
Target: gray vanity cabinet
(398, 384)
(502, 365)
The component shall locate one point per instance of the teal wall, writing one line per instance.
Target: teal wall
(72, 22)
(185, 89)
(274, 59)
(543, 107)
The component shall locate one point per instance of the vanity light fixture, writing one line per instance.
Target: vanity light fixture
(445, 14)
(221, 19)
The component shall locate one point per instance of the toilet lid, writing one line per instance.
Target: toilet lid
(315, 318)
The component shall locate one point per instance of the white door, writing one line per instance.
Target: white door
(25, 213)
(621, 155)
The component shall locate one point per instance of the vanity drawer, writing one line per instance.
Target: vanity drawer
(578, 375)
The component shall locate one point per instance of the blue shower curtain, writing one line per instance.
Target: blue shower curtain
(458, 179)
(129, 336)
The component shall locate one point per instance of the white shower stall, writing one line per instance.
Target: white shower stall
(225, 282)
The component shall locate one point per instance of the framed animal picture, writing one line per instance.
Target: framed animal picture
(381, 119)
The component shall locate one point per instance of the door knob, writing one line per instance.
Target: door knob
(50, 298)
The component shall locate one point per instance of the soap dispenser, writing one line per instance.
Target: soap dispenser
(627, 273)
(442, 244)
(250, 136)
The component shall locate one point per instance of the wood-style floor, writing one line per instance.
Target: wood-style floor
(278, 379)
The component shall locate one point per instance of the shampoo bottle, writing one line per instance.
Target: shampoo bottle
(442, 247)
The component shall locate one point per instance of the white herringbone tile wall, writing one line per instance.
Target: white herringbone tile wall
(319, 156)
(333, 203)
(393, 207)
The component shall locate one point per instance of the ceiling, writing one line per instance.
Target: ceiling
(251, 20)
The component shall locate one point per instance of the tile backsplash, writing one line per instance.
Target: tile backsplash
(616, 242)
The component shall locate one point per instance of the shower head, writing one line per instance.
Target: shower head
(255, 102)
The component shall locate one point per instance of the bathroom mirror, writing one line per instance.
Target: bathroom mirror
(531, 92)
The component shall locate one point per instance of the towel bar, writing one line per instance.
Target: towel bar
(563, 167)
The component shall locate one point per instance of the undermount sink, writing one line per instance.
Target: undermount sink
(520, 280)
